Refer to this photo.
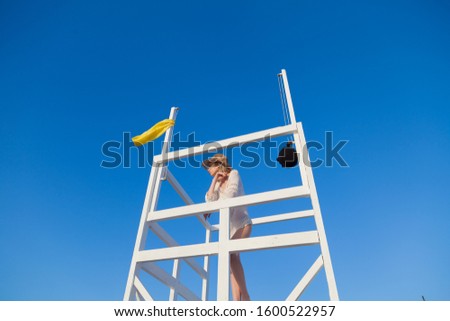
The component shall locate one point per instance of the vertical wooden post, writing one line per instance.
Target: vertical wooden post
(223, 275)
(173, 295)
(205, 281)
(332, 288)
(288, 96)
(151, 200)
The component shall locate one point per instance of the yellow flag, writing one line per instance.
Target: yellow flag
(157, 130)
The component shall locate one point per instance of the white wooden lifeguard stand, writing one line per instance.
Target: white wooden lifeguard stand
(143, 260)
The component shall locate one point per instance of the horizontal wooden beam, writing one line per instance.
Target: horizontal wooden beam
(226, 143)
(274, 241)
(276, 218)
(248, 244)
(246, 200)
(178, 252)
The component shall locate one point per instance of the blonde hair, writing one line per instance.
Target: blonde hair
(219, 160)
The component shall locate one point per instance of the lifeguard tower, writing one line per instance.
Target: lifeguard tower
(143, 260)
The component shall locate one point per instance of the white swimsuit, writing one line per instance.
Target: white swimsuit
(238, 215)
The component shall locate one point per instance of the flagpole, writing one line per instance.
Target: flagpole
(166, 145)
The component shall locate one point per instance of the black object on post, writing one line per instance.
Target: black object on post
(288, 156)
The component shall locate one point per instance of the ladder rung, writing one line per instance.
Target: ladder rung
(277, 218)
(238, 245)
(245, 200)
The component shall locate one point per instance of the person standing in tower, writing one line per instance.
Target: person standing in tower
(226, 183)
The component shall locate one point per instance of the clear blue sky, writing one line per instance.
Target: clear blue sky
(76, 74)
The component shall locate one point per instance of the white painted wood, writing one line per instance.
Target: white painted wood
(138, 296)
(273, 241)
(156, 191)
(226, 143)
(151, 197)
(170, 281)
(247, 200)
(282, 217)
(332, 288)
(169, 241)
(225, 246)
(306, 280)
(239, 245)
(277, 218)
(141, 235)
(288, 97)
(168, 140)
(223, 273)
(175, 273)
(185, 197)
(134, 295)
(164, 150)
(300, 146)
(205, 280)
(142, 291)
(171, 253)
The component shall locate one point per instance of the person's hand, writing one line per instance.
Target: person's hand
(220, 176)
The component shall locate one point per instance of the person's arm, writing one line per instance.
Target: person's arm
(212, 194)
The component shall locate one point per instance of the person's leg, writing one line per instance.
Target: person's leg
(235, 291)
(238, 272)
(236, 266)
